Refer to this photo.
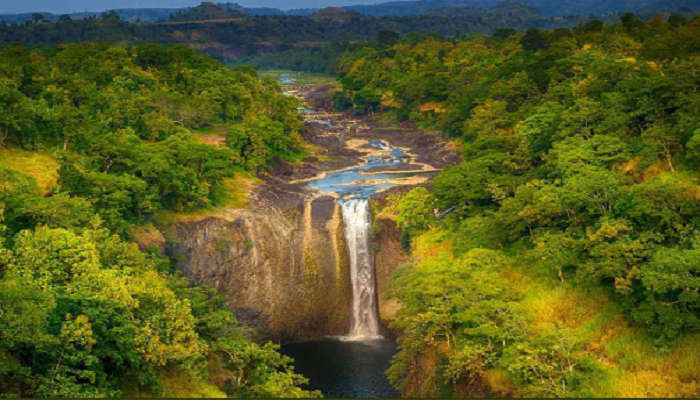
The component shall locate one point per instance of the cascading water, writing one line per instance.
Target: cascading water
(353, 365)
(365, 324)
(354, 187)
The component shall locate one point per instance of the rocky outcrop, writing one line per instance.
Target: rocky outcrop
(388, 254)
(284, 269)
(282, 262)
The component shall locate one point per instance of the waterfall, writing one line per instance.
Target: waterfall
(365, 324)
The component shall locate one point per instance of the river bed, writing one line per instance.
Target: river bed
(354, 365)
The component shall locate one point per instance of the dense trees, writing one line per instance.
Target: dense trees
(83, 311)
(580, 150)
(85, 314)
(123, 119)
(230, 35)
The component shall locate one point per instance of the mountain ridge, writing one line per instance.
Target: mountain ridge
(389, 9)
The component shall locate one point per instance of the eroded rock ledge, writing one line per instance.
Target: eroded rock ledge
(284, 268)
(283, 260)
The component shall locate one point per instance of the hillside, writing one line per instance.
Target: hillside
(95, 141)
(483, 200)
(561, 258)
(205, 11)
(394, 9)
(229, 35)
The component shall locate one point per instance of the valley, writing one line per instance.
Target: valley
(409, 199)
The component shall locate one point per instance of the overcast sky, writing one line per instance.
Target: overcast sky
(67, 6)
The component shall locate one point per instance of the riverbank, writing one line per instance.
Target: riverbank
(282, 259)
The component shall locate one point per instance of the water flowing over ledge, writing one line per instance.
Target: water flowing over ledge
(365, 323)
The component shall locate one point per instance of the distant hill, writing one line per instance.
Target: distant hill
(126, 14)
(402, 8)
(549, 7)
(148, 15)
(205, 11)
(603, 7)
(225, 32)
(510, 8)
(395, 9)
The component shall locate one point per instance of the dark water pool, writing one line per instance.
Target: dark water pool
(345, 368)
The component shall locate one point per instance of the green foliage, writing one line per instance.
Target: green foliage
(122, 120)
(415, 211)
(436, 305)
(261, 142)
(87, 313)
(550, 366)
(580, 152)
(465, 304)
(83, 312)
(557, 138)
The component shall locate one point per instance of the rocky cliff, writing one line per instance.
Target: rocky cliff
(388, 251)
(283, 266)
(283, 261)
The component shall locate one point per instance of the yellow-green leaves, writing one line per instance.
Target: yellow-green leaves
(56, 258)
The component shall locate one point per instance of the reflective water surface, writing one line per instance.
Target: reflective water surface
(341, 368)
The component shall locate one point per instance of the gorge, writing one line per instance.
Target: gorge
(298, 263)
(514, 214)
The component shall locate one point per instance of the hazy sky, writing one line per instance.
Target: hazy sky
(65, 6)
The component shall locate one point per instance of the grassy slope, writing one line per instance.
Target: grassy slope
(41, 166)
(178, 385)
(634, 368)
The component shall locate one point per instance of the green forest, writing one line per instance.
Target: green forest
(95, 140)
(231, 36)
(562, 256)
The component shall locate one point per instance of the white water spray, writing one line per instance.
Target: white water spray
(365, 324)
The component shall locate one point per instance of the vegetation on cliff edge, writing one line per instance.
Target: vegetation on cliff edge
(581, 171)
(95, 139)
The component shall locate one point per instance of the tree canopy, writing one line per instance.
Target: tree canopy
(83, 311)
(579, 164)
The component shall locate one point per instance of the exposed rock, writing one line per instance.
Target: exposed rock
(285, 270)
(388, 256)
(147, 237)
(283, 261)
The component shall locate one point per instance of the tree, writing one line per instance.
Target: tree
(534, 40)
(487, 119)
(676, 20)
(366, 101)
(416, 210)
(503, 33)
(15, 111)
(387, 38)
(663, 140)
(593, 26)
(693, 147)
(630, 22)
(550, 366)
(55, 257)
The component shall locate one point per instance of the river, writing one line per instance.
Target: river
(354, 365)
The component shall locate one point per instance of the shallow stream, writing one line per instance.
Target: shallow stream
(353, 365)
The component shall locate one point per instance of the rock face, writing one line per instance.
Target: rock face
(388, 254)
(283, 262)
(285, 270)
